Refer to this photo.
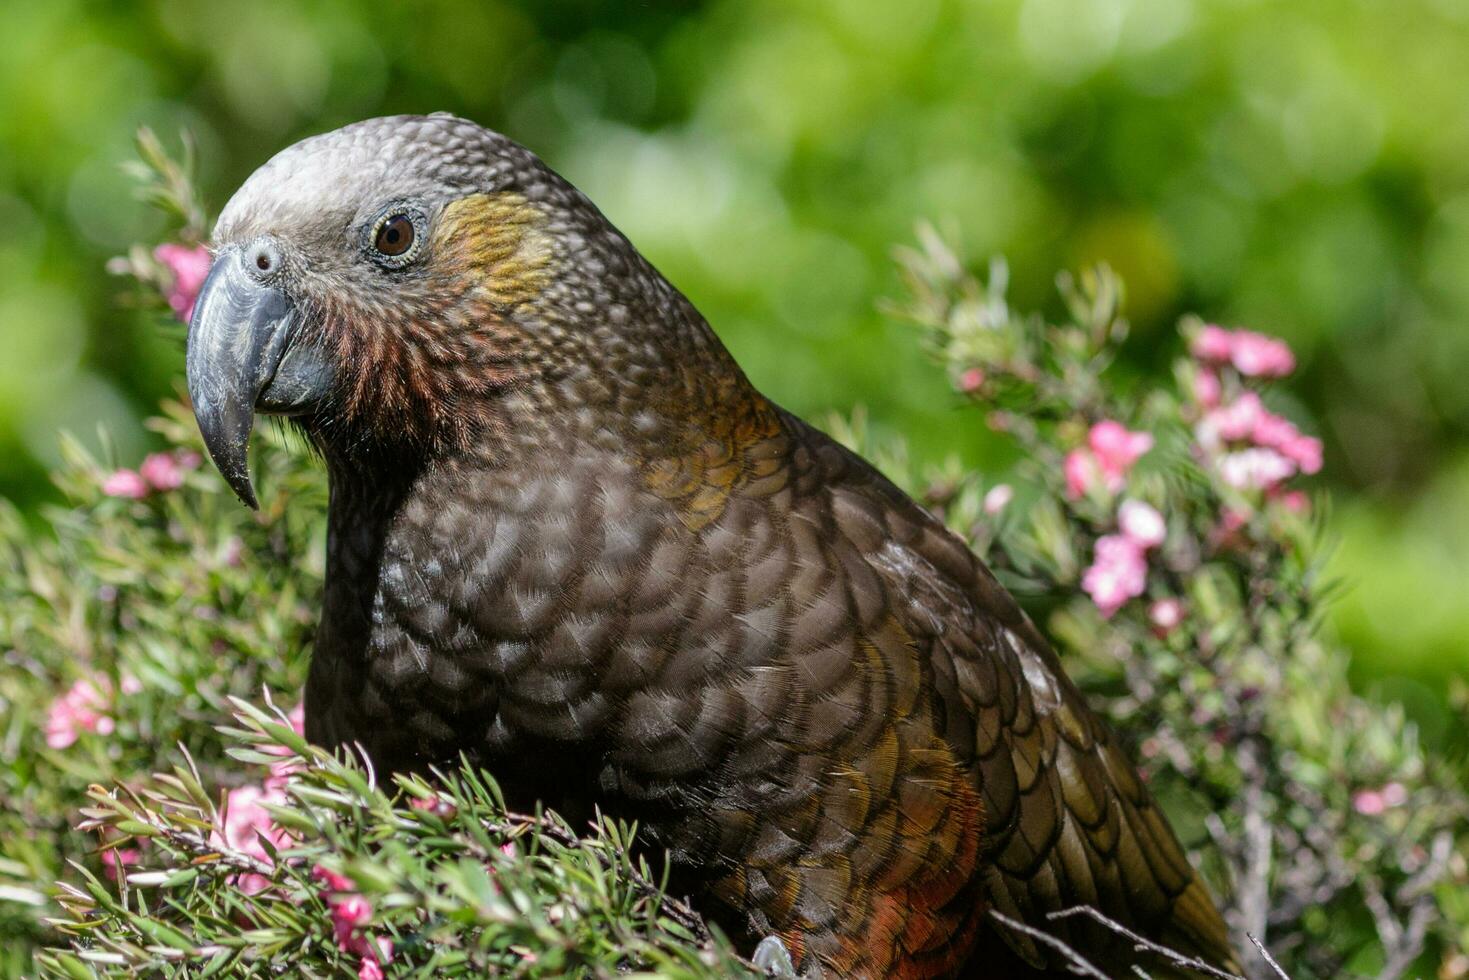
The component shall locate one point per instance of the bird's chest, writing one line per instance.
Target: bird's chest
(483, 619)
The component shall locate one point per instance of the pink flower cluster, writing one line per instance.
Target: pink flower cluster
(1110, 452)
(84, 708)
(351, 913)
(1256, 449)
(246, 824)
(1252, 448)
(188, 267)
(159, 473)
(1119, 569)
(1251, 354)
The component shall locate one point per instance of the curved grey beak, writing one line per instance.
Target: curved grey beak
(245, 355)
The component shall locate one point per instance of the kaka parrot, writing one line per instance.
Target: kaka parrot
(568, 538)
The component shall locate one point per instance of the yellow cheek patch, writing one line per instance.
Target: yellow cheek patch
(499, 241)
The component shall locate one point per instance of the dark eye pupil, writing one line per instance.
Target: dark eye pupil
(395, 235)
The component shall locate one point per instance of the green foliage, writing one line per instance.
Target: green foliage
(1327, 829)
(181, 608)
(461, 887)
(184, 593)
(1301, 167)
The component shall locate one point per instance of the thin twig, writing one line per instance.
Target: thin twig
(1265, 953)
(676, 909)
(1141, 944)
(1253, 896)
(1403, 942)
(1075, 962)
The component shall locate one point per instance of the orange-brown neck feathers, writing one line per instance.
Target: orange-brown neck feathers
(427, 357)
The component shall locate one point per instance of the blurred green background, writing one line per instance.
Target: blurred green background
(1301, 168)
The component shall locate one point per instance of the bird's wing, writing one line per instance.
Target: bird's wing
(1067, 820)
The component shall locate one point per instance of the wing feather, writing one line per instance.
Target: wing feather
(1067, 821)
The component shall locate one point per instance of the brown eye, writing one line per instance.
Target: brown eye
(395, 235)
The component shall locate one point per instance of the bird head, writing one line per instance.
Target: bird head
(407, 284)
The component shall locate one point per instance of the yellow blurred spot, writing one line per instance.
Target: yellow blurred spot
(1138, 249)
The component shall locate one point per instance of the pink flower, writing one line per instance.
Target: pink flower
(1375, 802)
(189, 267)
(1165, 615)
(161, 471)
(350, 939)
(1255, 468)
(1271, 430)
(436, 805)
(1257, 355)
(350, 914)
(1368, 802)
(1274, 432)
(245, 818)
(245, 824)
(1141, 524)
(1279, 447)
(1305, 452)
(1118, 572)
(1213, 345)
(354, 910)
(1252, 354)
(998, 497)
(81, 709)
(1116, 448)
(115, 860)
(1110, 452)
(1294, 501)
(333, 881)
(1082, 472)
(1238, 420)
(125, 483)
(1207, 390)
(971, 380)
(280, 774)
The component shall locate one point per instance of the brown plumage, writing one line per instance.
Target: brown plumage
(570, 539)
